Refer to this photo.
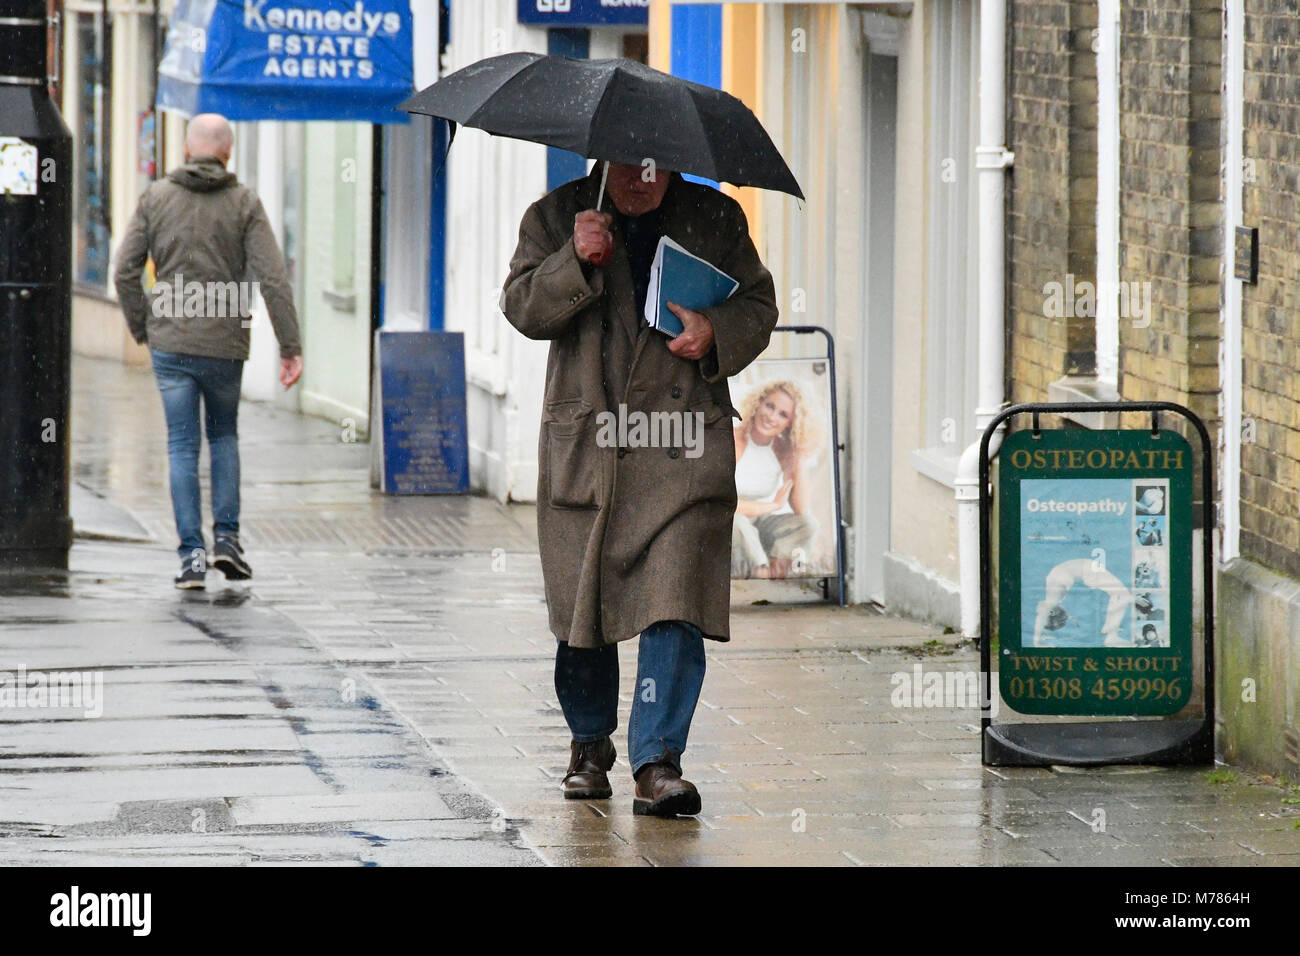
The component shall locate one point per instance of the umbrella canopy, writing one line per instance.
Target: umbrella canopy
(616, 110)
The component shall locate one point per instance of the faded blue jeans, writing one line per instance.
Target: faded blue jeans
(669, 676)
(183, 380)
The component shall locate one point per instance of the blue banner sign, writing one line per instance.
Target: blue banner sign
(288, 59)
(420, 383)
(584, 13)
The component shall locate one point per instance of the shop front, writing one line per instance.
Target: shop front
(310, 87)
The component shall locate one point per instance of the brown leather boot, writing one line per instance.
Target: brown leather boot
(588, 765)
(661, 792)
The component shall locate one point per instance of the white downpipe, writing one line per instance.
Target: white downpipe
(1230, 347)
(1108, 192)
(991, 162)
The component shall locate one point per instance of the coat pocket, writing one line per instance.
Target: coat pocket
(713, 470)
(572, 459)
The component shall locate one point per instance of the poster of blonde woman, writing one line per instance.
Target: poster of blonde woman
(785, 484)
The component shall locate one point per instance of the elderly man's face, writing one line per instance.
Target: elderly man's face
(634, 190)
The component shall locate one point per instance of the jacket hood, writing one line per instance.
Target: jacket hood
(203, 175)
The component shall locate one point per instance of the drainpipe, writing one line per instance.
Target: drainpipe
(1231, 383)
(991, 162)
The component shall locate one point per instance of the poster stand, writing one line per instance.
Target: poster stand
(841, 591)
(1176, 740)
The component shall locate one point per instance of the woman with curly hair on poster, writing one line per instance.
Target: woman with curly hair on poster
(773, 528)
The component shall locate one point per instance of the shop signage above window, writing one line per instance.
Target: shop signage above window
(584, 13)
(286, 60)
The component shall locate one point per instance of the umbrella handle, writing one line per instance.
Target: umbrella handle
(600, 260)
(600, 197)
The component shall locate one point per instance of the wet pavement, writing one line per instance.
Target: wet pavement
(204, 728)
(381, 693)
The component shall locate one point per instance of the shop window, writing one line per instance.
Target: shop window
(91, 116)
(952, 305)
(636, 46)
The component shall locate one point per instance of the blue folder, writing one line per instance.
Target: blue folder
(686, 280)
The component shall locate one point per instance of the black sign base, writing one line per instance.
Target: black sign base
(1163, 742)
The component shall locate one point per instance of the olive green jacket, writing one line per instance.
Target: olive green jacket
(210, 241)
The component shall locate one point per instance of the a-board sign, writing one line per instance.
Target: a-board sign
(786, 523)
(1095, 571)
(420, 401)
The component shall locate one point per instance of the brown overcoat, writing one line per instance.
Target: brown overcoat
(634, 535)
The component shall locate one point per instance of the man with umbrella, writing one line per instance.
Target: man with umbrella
(635, 537)
(635, 540)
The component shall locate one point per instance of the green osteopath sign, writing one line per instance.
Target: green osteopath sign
(1095, 552)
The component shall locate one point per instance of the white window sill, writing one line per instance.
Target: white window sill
(1086, 388)
(937, 464)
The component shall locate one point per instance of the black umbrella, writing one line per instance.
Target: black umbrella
(617, 110)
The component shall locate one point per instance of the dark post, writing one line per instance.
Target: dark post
(35, 298)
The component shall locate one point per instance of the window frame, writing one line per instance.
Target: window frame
(75, 105)
(950, 359)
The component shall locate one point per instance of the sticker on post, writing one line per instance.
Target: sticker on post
(17, 167)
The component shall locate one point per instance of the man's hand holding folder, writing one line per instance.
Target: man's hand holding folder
(681, 283)
(696, 337)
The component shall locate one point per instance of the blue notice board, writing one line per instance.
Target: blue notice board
(420, 386)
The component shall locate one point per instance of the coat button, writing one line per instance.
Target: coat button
(673, 453)
(622, 453)
(677, 391)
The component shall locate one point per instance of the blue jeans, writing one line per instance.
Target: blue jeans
(183, 379)
(669, 675)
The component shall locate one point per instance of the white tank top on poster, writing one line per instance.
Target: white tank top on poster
(759, 475)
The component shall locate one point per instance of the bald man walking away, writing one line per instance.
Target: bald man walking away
(212, 248)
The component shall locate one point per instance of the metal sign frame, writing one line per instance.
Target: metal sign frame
(836, 447)
(1168, 741)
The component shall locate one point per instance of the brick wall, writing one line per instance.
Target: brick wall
(1170, 204)
(1052, 128)
(1270, 507)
